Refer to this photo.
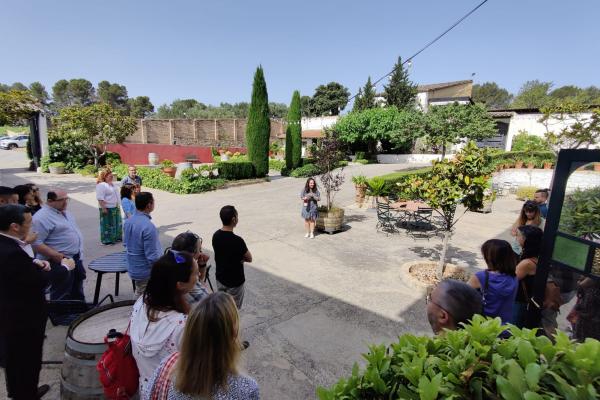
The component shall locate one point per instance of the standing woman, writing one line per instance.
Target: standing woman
(127, 200)
(310, 196)
(530, 240)
(37, 202)
(206, 367)
(530, 215)
(192, 243)
(111, 229)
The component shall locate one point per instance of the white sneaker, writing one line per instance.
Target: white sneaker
(307, 235)
(312, 235)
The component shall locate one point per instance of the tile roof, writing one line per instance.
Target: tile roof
(436, 86)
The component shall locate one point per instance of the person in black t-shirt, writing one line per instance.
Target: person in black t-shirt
(230, 254)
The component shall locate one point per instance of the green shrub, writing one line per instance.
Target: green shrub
(88, 170)
(360, 155)
(579, 215)
(166, 163)
(235, 170)
(44, 164)
(526, 192)
(377, 187)
(361, 161)
(111, 158)
(57, 164)
(395, 181)
(119, 170)
(474, 363)
(359, 180)
(529, 143)
(74, 154)
(285, 171)
(342, 163)
(305, 171)
(307, 161)
(276, 165)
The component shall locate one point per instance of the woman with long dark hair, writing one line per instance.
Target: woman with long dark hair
(192, 243)
(159, 316)
(530, 240)
(530, 215)
(498, 283)
(206, 367)
(310, 196)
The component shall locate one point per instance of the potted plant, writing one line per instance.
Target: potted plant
(327, 156)
(508, 164)
(57, 167)
(530, 163)
(377, 189)
(168, 167)
(519, 164)
(548, 163)
(360, 184)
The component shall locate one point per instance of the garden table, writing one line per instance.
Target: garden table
(115, 263)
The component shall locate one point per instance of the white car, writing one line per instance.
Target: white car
(13, 142)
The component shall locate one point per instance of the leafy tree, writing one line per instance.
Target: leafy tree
(4, 88)
(258, 129)
(591, 95)
(533, 94)
(278, 110)
(19, 87)
(38, 91)
(81, 92)
(306, 105)
(400, 91)
(450, 183)
(358, 102)
(583, 130)
(113, 94)
(564, 92)
(293, 134)
(400, 127)
(330, 99)
(15, 105)
(526, 142)
(60, 94)
(450, 124)
(492, 95)
(140, 107)
(328, 154)
(95, 126)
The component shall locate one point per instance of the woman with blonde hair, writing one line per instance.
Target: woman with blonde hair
(111, 229)
(206, 367)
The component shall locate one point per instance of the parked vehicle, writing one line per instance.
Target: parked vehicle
(12, 142)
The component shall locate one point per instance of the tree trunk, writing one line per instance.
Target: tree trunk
(440, 268)
(443, 151)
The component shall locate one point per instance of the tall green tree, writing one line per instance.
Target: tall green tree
(450, 124)
(81, 92)
(400, 91)
(577, 128)
(330, 99)
(15, 105)
(19, 87)
(533, 94)
(38, 91)
(258, 129)
(492, 95)
(95, 126)
(140, 107)
(565, 92)
(365, 98)
(113, 94)
(60, 94)
(278, 110)
(306, 105)
(293, 133)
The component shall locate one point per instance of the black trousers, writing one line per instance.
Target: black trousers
(23, 362)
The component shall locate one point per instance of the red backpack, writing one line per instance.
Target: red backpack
(118, 371)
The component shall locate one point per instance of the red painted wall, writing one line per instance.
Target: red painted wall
(134, 153)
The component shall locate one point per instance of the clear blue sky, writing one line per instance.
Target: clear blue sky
(209, 50)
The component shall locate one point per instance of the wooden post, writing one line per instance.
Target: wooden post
(235, 131)
(171, 134)
(216, 134)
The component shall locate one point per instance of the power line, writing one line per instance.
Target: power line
(454, 25)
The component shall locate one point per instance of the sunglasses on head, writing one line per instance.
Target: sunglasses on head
(179, 259)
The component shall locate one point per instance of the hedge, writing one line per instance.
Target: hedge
(235, 170)
(276, 165)
(306, 171)
(537, 157)
(475, 363)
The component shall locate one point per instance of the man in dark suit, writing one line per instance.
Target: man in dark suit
(22, 305)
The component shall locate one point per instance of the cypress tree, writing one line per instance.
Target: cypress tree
(293, 133)
(368, 98)
(400, 91)
(258, 129)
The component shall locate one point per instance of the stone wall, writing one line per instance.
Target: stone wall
(197, 132)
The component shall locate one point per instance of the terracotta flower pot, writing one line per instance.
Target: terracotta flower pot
(597, 167)
(171, 171)
(547, 165)
(518, 164)
(530, 165)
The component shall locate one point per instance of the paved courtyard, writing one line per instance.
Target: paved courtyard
(311, 306)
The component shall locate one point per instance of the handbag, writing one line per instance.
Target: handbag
(160, 388)
(117, 368)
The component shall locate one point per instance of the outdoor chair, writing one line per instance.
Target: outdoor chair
(386, 218)
(421, 226)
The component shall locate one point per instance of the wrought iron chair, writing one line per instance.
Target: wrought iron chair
(386, 220)
(421, 224)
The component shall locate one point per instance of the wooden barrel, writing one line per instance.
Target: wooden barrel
(331, 221)
(85, 345)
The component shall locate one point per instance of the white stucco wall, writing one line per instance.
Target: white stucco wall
(542, 178)
(410, 158)
(530, 123)
(314, 123)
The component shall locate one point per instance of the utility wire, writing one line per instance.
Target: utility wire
(454, 25)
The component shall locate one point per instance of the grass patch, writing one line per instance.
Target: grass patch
(396, 175)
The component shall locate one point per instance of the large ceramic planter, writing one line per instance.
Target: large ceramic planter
(152, 159)
(330, 221)
(57, 170)
(171, 171)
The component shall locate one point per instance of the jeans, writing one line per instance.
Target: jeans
(65, 284)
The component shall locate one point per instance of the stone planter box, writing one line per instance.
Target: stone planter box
(57, 170)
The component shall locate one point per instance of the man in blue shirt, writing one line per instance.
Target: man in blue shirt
(140, 237)
(60, 241)
(541, 199)
(133, 178)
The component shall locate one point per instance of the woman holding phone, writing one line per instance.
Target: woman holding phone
(310, 196)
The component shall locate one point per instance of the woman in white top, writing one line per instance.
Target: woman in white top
(159, 316)
(111, 230)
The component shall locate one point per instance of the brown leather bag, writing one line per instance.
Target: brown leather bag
(552, 298)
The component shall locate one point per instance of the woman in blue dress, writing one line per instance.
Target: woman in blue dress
(310, 196)
(127, 202)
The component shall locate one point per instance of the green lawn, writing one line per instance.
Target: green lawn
(395, 175)
(16, 129)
